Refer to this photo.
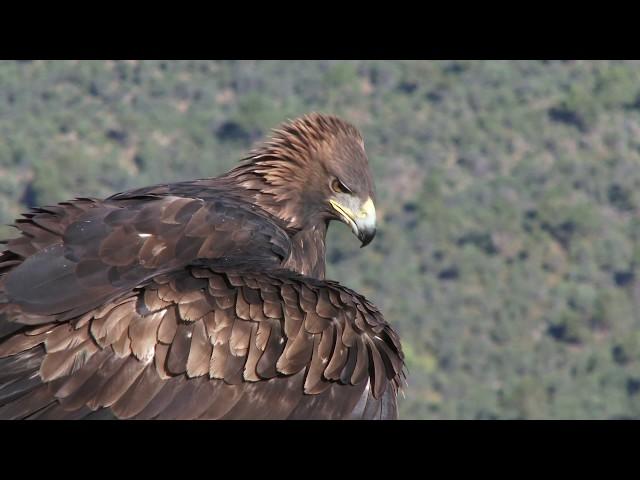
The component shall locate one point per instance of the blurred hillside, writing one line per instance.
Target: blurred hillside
(508, 252)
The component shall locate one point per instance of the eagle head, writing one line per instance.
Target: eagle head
(313, 169)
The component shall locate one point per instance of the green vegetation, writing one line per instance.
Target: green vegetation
(508, 254)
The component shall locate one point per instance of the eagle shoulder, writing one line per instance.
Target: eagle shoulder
(77, 255)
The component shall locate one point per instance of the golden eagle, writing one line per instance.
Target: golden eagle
(202, 299)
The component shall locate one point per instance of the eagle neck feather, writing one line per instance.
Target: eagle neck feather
(307, 255)
(306, 231)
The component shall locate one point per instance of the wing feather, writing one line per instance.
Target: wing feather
(211, 342)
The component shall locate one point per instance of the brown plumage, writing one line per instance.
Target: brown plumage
(203, 299)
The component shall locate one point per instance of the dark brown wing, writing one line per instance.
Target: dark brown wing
(209, 343)
(77, 255)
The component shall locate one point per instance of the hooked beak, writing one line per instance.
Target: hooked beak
(360, 217)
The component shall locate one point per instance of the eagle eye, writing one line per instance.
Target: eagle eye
(338, 187)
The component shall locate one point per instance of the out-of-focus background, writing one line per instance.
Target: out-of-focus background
(508, 252)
